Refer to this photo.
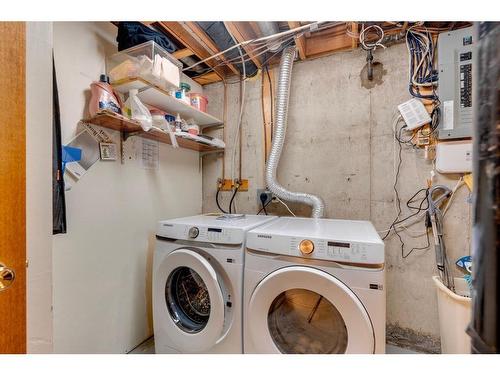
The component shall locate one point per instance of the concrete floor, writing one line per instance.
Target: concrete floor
(148, 347)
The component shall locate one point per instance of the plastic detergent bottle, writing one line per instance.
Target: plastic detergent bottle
(103, 97)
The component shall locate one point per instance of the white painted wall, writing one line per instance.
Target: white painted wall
(39, 185)
(102, 266)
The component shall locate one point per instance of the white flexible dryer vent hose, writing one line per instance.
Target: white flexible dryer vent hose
(280, 122)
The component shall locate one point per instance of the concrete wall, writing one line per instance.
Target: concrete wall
(39, 185)
(102, 266)
(339, 145)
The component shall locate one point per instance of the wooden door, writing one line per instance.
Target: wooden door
(12, 188)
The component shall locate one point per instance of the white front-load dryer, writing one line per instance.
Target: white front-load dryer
(198, 283)
(314, 286)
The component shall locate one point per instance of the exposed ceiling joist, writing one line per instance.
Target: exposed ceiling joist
(182, 53)
(300, 42)
(242, 32)
(354, 29)
(328, 41)
(182, 33)
(255, 28)
(209, 44)
(207, 78)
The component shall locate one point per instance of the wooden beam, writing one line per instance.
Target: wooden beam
(242, 32)
(205, 79)
(300, 42)
(256, 29)
(181, 53)
(319, 45)
(209, 44)
(180, 32)
(354, 29)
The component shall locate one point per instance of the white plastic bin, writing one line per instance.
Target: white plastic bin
(454, 316)
(148, 61)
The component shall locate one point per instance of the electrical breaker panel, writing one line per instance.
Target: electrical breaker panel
(455, 58)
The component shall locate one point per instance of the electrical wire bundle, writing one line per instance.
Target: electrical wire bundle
(421, 51)
(421, 70)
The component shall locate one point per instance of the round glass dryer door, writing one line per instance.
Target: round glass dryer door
(303, 321)
(189, 303)
(303, 310)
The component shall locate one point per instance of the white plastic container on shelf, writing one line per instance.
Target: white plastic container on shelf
(454, 316)
(147, 61)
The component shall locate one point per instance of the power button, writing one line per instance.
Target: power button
(306, 247)
(193, 232)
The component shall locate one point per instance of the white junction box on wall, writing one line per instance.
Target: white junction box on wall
(454, 156)
(414, 113)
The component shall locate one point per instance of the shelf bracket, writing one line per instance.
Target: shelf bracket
(127, 135)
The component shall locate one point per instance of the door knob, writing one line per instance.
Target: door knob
(7, 277)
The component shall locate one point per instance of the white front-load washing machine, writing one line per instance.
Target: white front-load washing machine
(314, 286)
(198, 283)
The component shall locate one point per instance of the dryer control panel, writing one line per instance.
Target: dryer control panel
(322, 249)
(345, 241)
(348, 252)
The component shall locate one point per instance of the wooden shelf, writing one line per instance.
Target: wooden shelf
(117, 122)
(161, 99)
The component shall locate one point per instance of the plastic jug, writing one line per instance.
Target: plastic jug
(103, 97)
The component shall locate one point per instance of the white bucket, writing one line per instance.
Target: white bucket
(454, 316)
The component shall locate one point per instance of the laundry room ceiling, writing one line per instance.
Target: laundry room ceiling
(197, 41)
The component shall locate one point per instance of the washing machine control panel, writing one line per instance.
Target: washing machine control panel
(214, 235)
(200, 233)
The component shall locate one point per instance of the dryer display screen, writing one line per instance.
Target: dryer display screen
(339, 244)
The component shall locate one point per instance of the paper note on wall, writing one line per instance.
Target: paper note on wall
(150, 154)
(448, 115)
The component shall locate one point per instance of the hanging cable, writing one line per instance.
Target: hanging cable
(217, 201)
(365, 32)
(286, 206)
(437, 195)
(232, 200)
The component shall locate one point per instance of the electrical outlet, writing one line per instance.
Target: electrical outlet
(268, 194)
(225, 185)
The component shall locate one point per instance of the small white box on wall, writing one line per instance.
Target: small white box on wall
(454, 156)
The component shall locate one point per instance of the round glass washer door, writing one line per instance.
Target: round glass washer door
(187, 299)
(192, 315)
(303, 310)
